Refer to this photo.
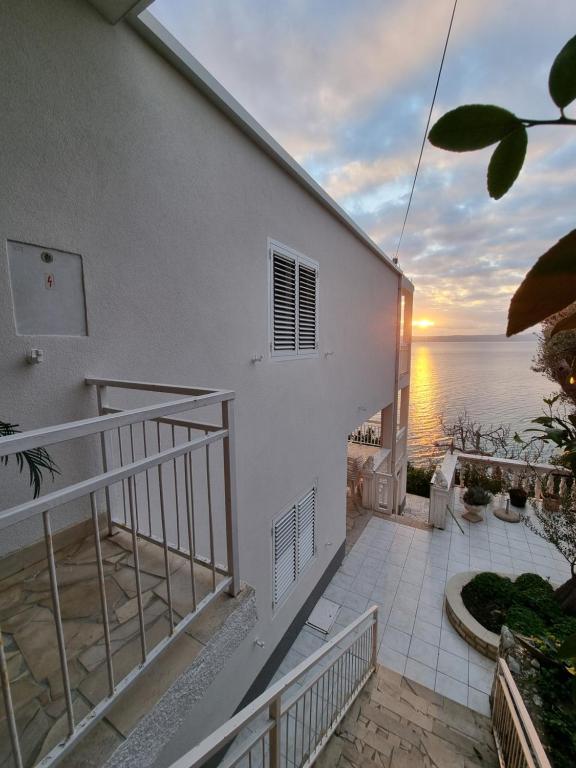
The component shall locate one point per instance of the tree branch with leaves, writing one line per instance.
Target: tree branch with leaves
(550, 286)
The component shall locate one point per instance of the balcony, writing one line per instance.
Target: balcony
(101, 618)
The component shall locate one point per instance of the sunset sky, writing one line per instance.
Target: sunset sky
(345, 87)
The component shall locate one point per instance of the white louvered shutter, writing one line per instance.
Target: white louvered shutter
(283, 303)
(307, 304)
(306, 528)
(284, 553)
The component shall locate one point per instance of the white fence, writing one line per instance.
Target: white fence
(536, 479)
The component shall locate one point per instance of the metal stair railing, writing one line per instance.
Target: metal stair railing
(289, 724)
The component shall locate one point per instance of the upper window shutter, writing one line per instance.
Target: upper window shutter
(307, 303)
(284, 553)
(306, 528)
(283, 303)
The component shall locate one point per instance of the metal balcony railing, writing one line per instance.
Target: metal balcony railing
(517, 740)
(289, 724)
(161, 475)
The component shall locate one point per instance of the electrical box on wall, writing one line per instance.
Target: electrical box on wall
(47, 291)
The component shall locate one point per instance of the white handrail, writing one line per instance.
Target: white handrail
(222, 736)
(72, 492)
(59, 433)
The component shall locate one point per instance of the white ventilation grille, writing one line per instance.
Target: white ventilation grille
(294, 303)
(307, 303)
(294, 543)
(284, 553)
(306, 526)
(284, 303)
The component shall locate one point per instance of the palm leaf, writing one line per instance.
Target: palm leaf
(38, 460)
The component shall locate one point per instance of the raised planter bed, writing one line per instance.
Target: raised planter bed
(480, 638)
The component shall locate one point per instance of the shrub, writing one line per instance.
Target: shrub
(476, 496)
(418, 480)
(521, 619)
(488, 597)
(563, 627)
(532, 584)
(478, 476)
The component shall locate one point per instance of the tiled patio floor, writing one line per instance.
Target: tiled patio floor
(404, 571)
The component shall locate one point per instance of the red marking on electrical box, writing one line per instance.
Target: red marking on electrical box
(49, 281)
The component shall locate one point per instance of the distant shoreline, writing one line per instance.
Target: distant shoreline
(471, 337)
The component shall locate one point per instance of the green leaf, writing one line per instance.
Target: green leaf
(562, 78)
(568, 648)
(506, 162)
(547, 288)
(473, 126)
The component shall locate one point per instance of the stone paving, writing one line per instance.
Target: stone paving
(396, 723)
(29, 638)
(404, 571)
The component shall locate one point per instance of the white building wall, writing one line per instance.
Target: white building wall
(108, 152)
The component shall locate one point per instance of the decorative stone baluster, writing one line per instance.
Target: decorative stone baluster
(538, 488)
(563, 486)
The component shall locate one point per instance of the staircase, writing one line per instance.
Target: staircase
(340, 708)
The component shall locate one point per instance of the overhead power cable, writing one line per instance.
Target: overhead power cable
(426, 130)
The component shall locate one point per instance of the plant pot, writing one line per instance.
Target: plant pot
(518, 497)
(551, 503)
(474, 513)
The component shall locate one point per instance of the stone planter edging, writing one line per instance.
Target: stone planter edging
(480, 638)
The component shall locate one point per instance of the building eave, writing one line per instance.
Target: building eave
(151, 30)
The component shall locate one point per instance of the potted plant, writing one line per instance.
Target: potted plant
(475, 500)
(518, 497)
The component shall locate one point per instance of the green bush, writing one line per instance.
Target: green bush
(418, 480)
(558, 716)
(563, 627)
(488, 597)
(526, 605)
(533, 584)
(477, 476)
(525, 621)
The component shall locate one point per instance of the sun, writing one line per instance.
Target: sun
(423, 323)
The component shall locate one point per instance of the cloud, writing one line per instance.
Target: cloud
(345, 86)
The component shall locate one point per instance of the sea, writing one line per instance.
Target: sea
(491, 380)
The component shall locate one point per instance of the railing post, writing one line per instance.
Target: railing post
(9, 707)
(275, 713)
(375, 639)
(102, 400)
(230, 495)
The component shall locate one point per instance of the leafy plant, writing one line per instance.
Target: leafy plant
(488, 596)
(418, 480)
(37, 460)
(522, 619)
(550, 285)
(476, 496)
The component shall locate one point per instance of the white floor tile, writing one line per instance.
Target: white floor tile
(451, 688)
(423, 652)
(426, 631)
(392, 659)
(480, 678)
(396, 640)
(453, 666)
(478, 701)
(420, 673)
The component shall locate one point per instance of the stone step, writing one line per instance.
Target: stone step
(397, 723)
